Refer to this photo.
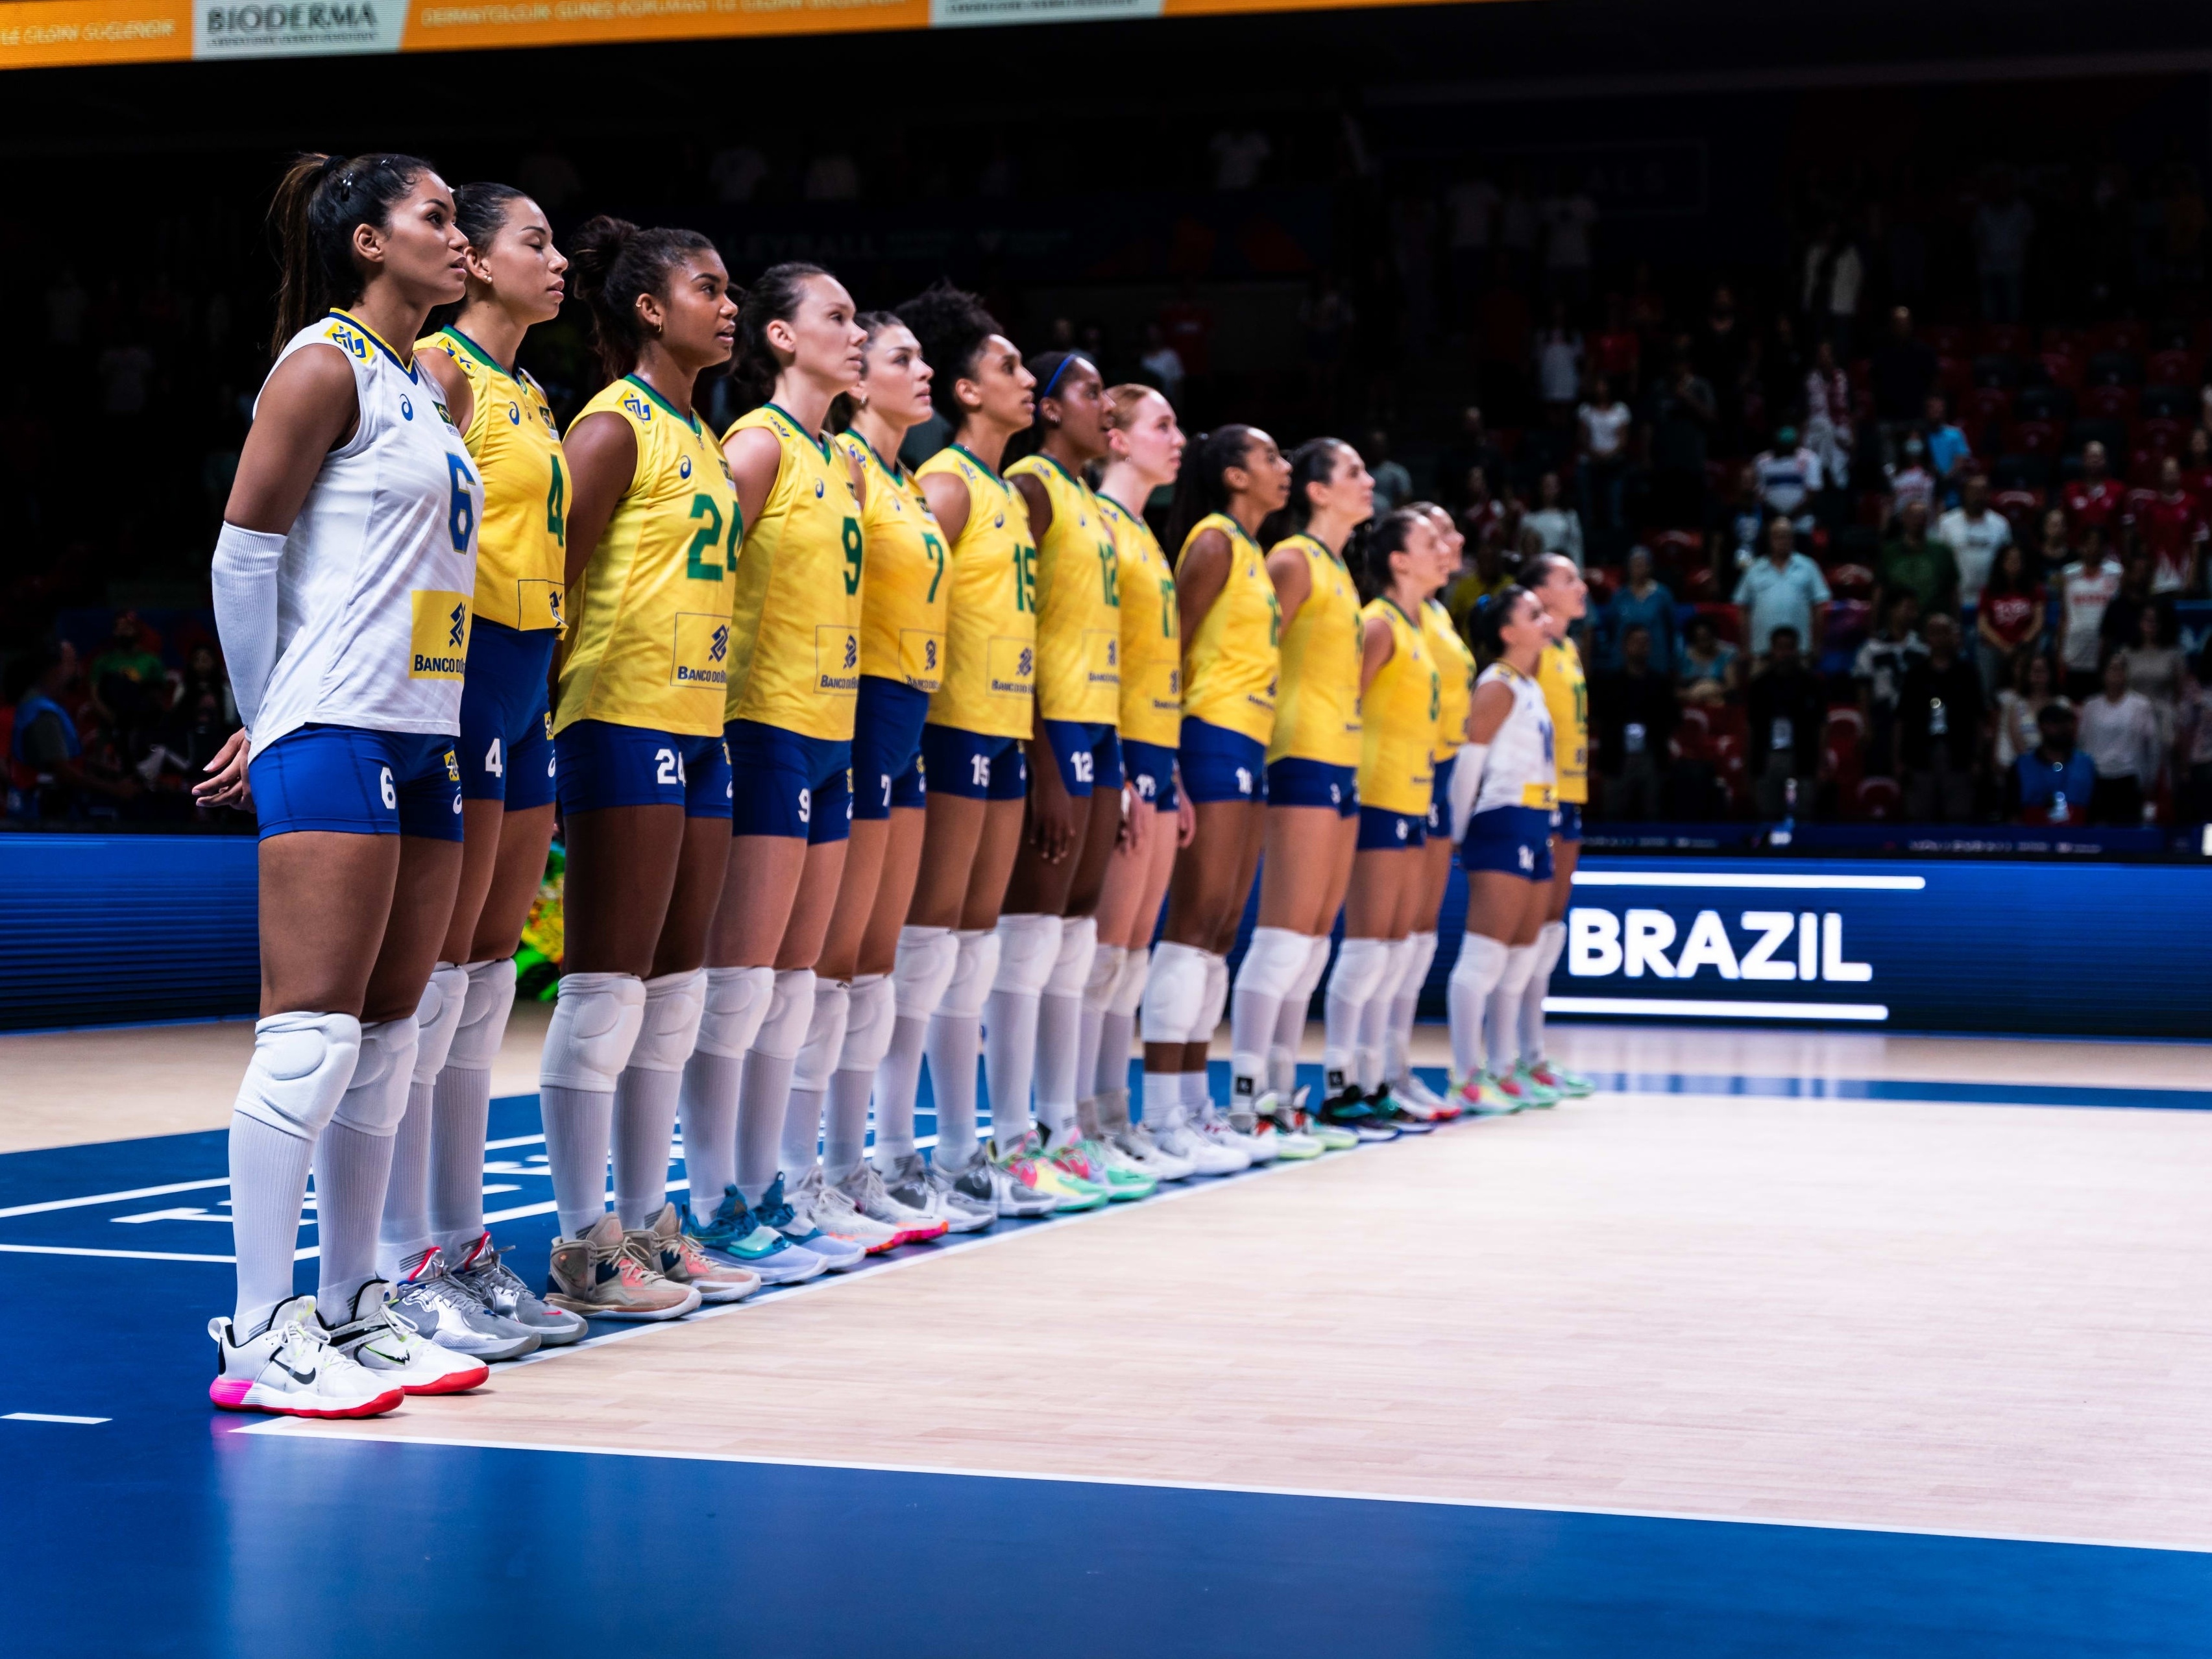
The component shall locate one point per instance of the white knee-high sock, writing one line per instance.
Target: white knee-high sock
(1359, 965)
(595, 1024)
(954, 1045)
(767, 1091)
(301, 1066)
(404, 1232)
(927, 958)
(1028, 947)
(1375, 1018)
(871, 1009)
(1061, 1075)
(460, 1108)
(1502, 1042)
(353, 1161)
(738, 1000)
(1106, 963)
(1290, 1021)
(1551, 943)
(810, 1078)
(1117, 1026)
(1266, 977)
(648, 1093)
(1398, 1036)
(1481, 964)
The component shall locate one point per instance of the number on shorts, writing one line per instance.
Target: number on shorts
(1083, 764)
(668, 766)
(887, 790)
(492, 763)
(1144, 787)
(979, 767)
(1243, 779)
(806, 807)
(390, 795)
(1527, 854)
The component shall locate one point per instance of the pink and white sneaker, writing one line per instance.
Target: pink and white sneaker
(289, 1368)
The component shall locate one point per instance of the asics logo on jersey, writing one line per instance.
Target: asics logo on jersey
(515, 414)
(820, 489)
(684, 467)
(406, 408)
(999, 523)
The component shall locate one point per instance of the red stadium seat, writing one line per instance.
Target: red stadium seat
(1727, 625)
(1603, 582)
(2056, 338)
(2063, 368)
(2172, 367)
(1947, 339)
(2117, 337)
(1878, 798)
(2110, 402)
(2022, 509)
(1851, 581)
(1698, 585)
(2031, 438)
(1730, 720)
(2161, 435)
(1847, 726)
(1954, 378)
(1986, 403)
(2139, 500)
(2004, 339)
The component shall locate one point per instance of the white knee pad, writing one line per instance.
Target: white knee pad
(1078, 944)
(484, 1009)
(300, 1067)
(437, 1017)
(1359, 965)
(1308, 980)
(870, 1012)
(926, 958)
(1106, 964)
(375, 1097)
(973, 972)
(1129, 985)
(1273, 961)
(825, 1035)
(669, 1027)
(790, 1012)
(737, 1001)
(1174, 993)
(1481, 963)
(595, 1023)
(1216, 998)
(1029, 945)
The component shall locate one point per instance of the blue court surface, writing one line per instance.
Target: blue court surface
(145, 1523)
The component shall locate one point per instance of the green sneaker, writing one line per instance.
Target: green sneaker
(1539, 1093)
(1026, 1165)
(1567, 1084)
(738, 1233)
(1125, 1179)
(1479, 1096)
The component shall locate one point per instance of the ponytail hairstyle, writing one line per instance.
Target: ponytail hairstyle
(612, 263)
(1486, 624)
(1311, 463)
(773, 299)
(951, 326)
(480, 210)
(845, 405)
(1200, 487)
(1385, 536)
(318, 204)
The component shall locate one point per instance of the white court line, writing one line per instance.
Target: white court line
(115, 1198)
(1774, 883)
(50, 1416)
(1684, 1007)
(125, 1256)
(285, 1429)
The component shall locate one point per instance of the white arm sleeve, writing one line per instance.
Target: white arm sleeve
(244, 577)
(1466, 779)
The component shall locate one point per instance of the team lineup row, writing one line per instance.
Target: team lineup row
(858, 769)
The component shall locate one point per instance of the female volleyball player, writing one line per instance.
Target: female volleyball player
(1145, 448)
(905, 602)
(1505, 789)
(1400, 691)
(1455, 675)
(1313, 793)
(1048, 932)
(1565, 595)
(342, 578)
(794, 678)
(1231, 479)
(644, 780)
(433, 1205)
(972, 758)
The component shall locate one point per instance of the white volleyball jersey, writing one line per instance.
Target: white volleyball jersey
(1519, 770)
(373, 590)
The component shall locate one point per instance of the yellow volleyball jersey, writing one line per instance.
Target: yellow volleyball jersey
(905, 599)
(1317, 713)
(1152, 650)
(1399, 730)
(795, 616)
(1235, 657)
(1079, 597)
(1566, 695)
(990, 639)
(1455, 675)
(649, 624)
(522, 542)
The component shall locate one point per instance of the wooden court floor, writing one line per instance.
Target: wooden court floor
(1892, 1314)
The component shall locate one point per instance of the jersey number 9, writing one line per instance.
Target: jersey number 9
(852, 545)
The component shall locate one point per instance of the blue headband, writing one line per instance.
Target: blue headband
(1072, 357)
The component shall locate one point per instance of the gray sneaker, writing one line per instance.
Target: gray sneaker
(981, 1181)
(433, 1305)
(913, 1181)
(501, 1290)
